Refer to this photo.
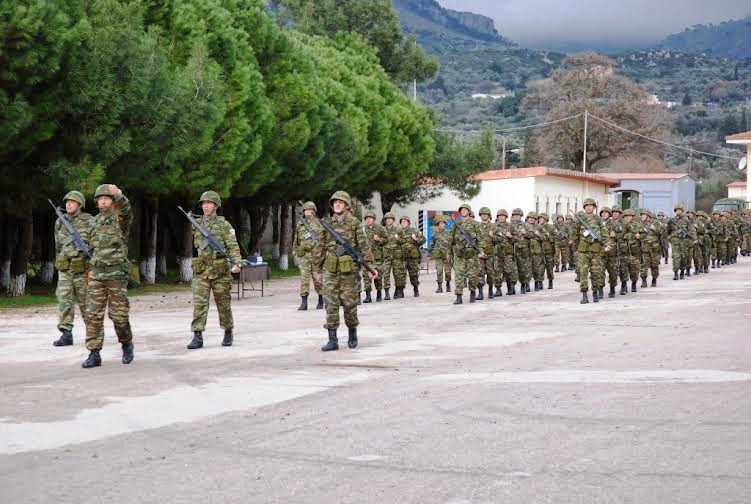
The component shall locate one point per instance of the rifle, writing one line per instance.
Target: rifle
(561, 232)
(684, 232)
(307, 225)
(617, 257)
(73, 236)
(594, 233)
(345, 246)
(208, 238)
(472, 243)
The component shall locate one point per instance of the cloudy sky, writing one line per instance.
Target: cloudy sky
(556, 23)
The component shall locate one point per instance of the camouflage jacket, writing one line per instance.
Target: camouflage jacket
(585, 241)
(521, 238)
(550, 237)
(504, 244)
(303, 244)
(459, 247)
(679, 226)
(376, 246)
(561, 232)
(486, 240)
(717, 229)
(109, 241)
(652, 233)
(410, 247)
(393, 246)
(439, 244)
(209, 264)
(329, 254)
(537, 238)
(64, 246)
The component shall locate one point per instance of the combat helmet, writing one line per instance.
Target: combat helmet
(485, 210)
(517, 211)
(76, 196)
(559, 216)
(369, 213)
(616, 208)
(677, 206)
(532, 215)
(309, 205)
(465, 205)
(500, 212)
(589, 201)
(630, 212)
(341, 196)
(606, 209)
(388, 215)
(211, 196)
(103, 190)
(646, 212)
(543, 215)
(406, 218)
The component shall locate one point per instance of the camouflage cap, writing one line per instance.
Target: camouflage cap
(309, 205)
(630, 212)
(589, 201)
(646, 211)
(616, 208)
(76, 196)
(406, 218)
(605, 209)
(485, 210)
(542, 215)
(341, 196)
(465, 205)
(388, 215)
(368, 213)
(517, 211)
(677, 206)
(500, 212)
(532, 215)
(701, 213)
(211, 196)
(103, 190)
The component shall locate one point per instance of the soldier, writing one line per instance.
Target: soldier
(698, 253)
(339, 272)
(590, 250)
(616, 231)
(547, 241)
(535, 250)
(664, 244)
(523, 257)
(734, 235)
(486, 265)
(377, 237)
(108, 280)
(632, 243)
(392, 258)
(439, 252)
(570, 229)
(650, 248)
(562, 250)
(465, 256)
(719, 239)
(302, 248)
(72, 266)
(411, 240)
(610, 259)
(706, 242)
(212, 271)
(505, 268)
(680, 233)
(745, 232)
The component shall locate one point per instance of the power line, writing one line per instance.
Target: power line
(509, 130)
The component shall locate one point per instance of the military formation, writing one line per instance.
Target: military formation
(344, 257)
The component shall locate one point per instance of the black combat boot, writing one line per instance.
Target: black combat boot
(654, 282)
(93, 360)
(720, 263)
(197, 341)
(472, 297)
(550, 284)
(498, 292)
(479, 296)
(379, 297)
(601, 292)
(706, 269)
(228, 337)
(688, 272)
(397, 293)
(713, 263)
(401, 292)
(578, 279)
(440, 288)
(563, 268)
(611, 294)
(557, 268)
(510, 288)
(333, 343)
(319, 306)
(536, 286)
(675, 275)
(585, 299)
(458, 299)
(633, 286)
(526, 287)
(448, 285)
(624, 289)
(386, 296)
(595, 296)
(66, 338)
(682, 275)
(416, 290)
(127, 352)
(697, 270)
(643, 282)
(303, 303)
(367, 299)
(490, 291)
(352, 340)
(523, 287)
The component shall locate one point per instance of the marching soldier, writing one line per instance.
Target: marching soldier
(650, 247)
(464, 255)
(339, 272)
(302, 248)
(377, 237)
(719, 239)
(108, 280)
(411, 240)
(562, 259)
(72, 266)
(590, 250)
(610, 260)
(698, 247)
(680, 237)
(631, 240)
(548, 247)
(523, 259)
(212, 271)
(664, 244)
(535, 250)
(570, 230)
(439, 252)
(505, 268)
(706, 242)
(392, 258)
(486, 265)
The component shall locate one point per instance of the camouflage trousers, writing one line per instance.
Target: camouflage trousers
(625, 260)
(590, 263)
(651, 262)
(720, 250)
(101, 294)
(677, 245)
(732, 248)
(306, 276)
(71, 291)
(746, 242)
(443, 270)
(505, 269)
(202, 288)
(465, 268)
(562, 254)
(698, 255)
(538, 267)
(610, 264)
(523, 265)
(486, 270)
(394, 265)
(412, 267)
(341, 289)
(367, 282)
(572, 255)
(549, 263)
(633, 265)
(707, 250)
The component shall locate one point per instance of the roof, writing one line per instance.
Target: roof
(739, 137)
(645, 176)
(544, 171)
(737, 183)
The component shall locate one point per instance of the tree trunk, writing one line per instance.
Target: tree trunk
(7, 241)
(20, 257)
(258, 219)
(149, 225)
(284, 238)
(162, 240)
(386, 203)
(275, 231)
(183, 239)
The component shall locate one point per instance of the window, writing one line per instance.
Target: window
(558, 208)
(547, 205)
(537, 204)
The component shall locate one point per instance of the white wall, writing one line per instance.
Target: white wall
(737, 192)
(569, 193)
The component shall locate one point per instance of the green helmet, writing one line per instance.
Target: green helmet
(406, 218)
(589, 201)
(211, 196)
(485, 210)
(103, 190)
(369, 213)
(309, 205)
(465, 205)
(645, 211)
(517, 211)
(532, 215)
(605, 209)
(341, 196)
(677, 206)
(630, 212)
(558, 216)
(701, 213)
(75, 196)
(691, 212)
(500, 212)
(616, 208)
(543, 216)
(716, 212)
(569, 218)
(389, 215)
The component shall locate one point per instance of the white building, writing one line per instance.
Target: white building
(743, 139)
(657, 191)
(737, 189)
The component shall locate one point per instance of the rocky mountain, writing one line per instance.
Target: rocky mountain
(730, 39)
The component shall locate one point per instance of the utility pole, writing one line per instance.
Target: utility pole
(690, 158)
(503, 159)
(584, 157)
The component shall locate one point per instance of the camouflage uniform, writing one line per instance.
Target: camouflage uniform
(439, 252)
(549, 252)
(681, 237)
(717, 229)
(72, 266)
(377, 247)
(523, 257)
(633, 246)
(698, 248)
(211, 271)
(411, 253)
(108, 281)
(302, 248)
(610, 258)
(535, 249)
(562, 249)
(617, 231)
(706, 241)
(650, 248)
(745, 221)
(392, 258)
(505, 268)
(341, 284)
(486, 265)
(464, 256)
(589, 252)
(571, 230)
(734, 236)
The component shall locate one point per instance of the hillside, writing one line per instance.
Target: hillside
(731, 39)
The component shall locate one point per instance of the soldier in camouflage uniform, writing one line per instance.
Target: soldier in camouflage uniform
(108, 280)
(610, 259)
(681, 237)
(617, 231)
(698, 246)
(632, 244)
(535, 250)
(562, 259)
(664, 244)
(547, 241)
(392, 258)
(706, 242)
(734, 236)
(302, 248)
(745, 226)
(377, 237)
(464, 256)
(523, 256)
(212, 271)
(719, 239)
(650, 247)
(590, 250)
(72, 265)
(339, 271)
(486, 265)
(505, 267)
(570, 230)
(439, 252)
(412, 240)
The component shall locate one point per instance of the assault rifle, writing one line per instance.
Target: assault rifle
(681, 230)
(594, 233)
(468, 239)
(208, 238)
(73, 235)
(561, 231)
(307, 225)
(345, 246)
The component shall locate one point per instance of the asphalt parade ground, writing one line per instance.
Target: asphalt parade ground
(645, 398)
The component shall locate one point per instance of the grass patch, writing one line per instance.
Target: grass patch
(28, 300)
(276, 272)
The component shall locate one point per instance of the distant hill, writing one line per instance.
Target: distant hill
(731, 39)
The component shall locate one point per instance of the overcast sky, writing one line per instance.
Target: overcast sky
(548, 23)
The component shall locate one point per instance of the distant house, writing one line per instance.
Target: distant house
(484, 96)
(743, 139)
(737, 189)
(655, 191)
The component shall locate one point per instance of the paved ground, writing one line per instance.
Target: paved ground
(528, 399)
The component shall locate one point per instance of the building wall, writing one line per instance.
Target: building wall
(737, 192)
(559, 195)
(660, 195)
